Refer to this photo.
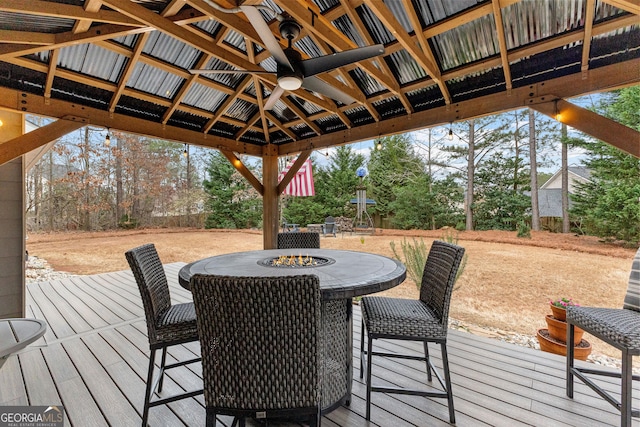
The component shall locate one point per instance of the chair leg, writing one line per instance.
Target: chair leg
(369, 359)
(361, 348)
(162, 364)
(626, 402)
(570, 361)
(211, 418)
(426, 355)
(447, 381)
(147, 394)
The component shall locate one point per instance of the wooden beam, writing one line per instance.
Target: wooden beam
(502, 41)
(588, 28)
(631, 6)
(61, 10)
(270, 197)
(16, 100)
(128, 70)
(596, 80)
(244, 171)
(600, 127)
(21, 145)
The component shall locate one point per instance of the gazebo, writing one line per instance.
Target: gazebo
(193, 71)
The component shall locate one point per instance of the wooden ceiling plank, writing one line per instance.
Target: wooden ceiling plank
(184, 89)
(261, 110)
(502, 42)
(61, 10)
(280, 126)
(603, 128)
(128, 70)
(23, 144)
(226, 104)
(244, 171)
(248, 125)
(165, 25)
(588, 29)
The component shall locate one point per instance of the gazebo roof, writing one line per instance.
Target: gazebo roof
(125, 65)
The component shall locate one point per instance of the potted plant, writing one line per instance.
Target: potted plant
(559, 307)
(553, 339)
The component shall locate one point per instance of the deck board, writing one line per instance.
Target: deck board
(93, 360)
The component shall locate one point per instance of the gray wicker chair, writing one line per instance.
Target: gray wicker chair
(618, 327)
(260, 340)
(422, 320)
(167, 324)
(300, 239)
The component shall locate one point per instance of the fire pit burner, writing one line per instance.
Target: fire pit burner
(296, 261)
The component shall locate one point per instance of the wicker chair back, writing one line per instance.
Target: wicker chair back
(300, 239)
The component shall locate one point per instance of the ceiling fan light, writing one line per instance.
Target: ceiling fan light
(290, 82)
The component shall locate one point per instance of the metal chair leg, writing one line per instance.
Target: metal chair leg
(627, 387)
(361, 348)
(162, 364)
(426, 355)
(447, 381)
(147, 394)
(570, 361)
(369, 359)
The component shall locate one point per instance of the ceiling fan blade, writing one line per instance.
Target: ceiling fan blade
(311, 67)
(316, 85)
(229, 72)
(273, 98)
(269, 40)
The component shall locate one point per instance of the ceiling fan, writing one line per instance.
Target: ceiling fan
(292, 71)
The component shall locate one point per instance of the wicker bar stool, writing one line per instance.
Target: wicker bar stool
(422, 320)
(618, 327)
(299, 239)
(167, 324)
(261, 344)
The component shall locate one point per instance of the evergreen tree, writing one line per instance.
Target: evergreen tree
(609, 206)
(232, 202)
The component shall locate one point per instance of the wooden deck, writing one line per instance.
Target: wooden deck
(94, 356)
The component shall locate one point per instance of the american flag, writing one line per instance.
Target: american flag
(302, 183)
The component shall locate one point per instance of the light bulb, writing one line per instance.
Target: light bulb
(107, 140)
(450, 136)
(379, 146)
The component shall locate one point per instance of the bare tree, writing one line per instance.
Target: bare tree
(535, 210)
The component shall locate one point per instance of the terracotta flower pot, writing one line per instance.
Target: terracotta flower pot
(548, 344)
(558, 312)
(558, 330)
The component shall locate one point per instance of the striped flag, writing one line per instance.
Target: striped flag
(302, 183)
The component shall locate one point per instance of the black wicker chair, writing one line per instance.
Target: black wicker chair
(260, 340)
(300, 239)
(618, 327)
(415, 320)
(167, 324)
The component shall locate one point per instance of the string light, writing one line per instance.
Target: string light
(1, 123)
(556, 114)
(450, 136)
(185, 153)
(379, 145)
(107, 139)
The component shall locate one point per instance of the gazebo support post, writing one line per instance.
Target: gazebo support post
(270, 197)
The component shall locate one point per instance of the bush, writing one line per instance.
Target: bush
(414, 256)
(524, 230)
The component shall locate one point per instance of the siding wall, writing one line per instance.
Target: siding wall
(12, 234)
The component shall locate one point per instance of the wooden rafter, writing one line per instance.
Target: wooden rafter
(61, 10)
(502, 41)
(128, 70)
(51, 72)
(588, 29)
(227, 103)
(83, 25)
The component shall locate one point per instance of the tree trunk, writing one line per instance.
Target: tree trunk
(566, 226)
(119, 188)
(470, 174)
(535, 210)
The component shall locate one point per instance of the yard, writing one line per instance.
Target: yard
(506, 284)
